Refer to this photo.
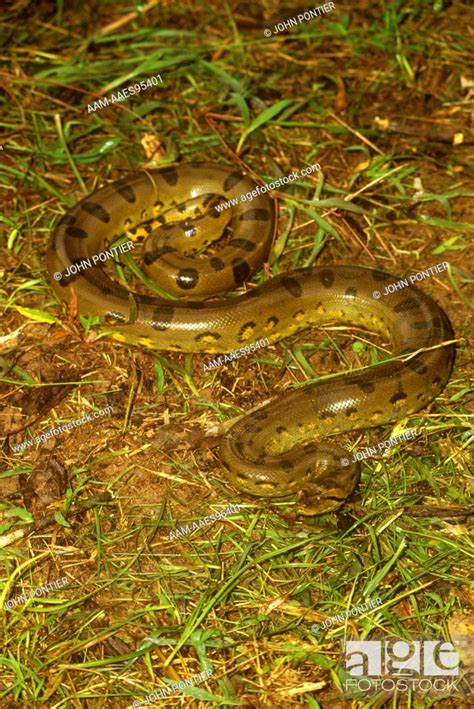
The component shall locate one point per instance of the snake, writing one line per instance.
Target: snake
(206, 230)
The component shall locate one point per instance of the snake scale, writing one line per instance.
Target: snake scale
(271, 452)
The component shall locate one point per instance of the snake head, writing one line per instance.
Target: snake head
(327, 492)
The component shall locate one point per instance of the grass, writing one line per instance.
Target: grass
(141, 611)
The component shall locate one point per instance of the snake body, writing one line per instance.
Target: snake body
(270, 452)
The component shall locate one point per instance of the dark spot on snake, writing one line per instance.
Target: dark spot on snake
(204, 335)
(251, 293)
(351, 292)
(209, 198)
(187, 278)
(244, 244)
(242, 478)
(170, 175)
(367, 387)
(216, 264)
(436, 380)
(233, 179)
(292, 286)
(109, 288)
(188, 229)
(419, 325)
(245, 326)
(241, 269)
(286, 465)
(67, 280)
(154, 254)
(380, 276)
(350, 411)
(259, 215)
(196, 305)
(399, 396)
(326, 415)
(254, 428)
(162, 316)
(76, 232)
(273, 320)
(68, 219)
(181, 208)
(298, 312)
(158, 203)
(125, 191)
(326, 276)
(416, 365)
(280, 429)
(407, 304)
(260, 415)
(239, 447)
(112, 317)
(97, 211)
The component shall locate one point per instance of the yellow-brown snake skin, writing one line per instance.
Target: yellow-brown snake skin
(271, 452)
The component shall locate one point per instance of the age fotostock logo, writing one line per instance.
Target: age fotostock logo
(389, 665)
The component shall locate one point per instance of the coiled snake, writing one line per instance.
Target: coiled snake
(270, 452)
